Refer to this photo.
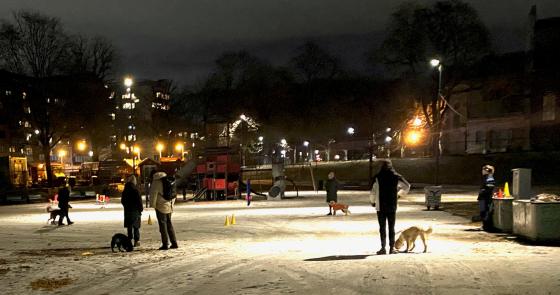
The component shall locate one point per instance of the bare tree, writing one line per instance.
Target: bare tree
(92, 55)
(450, 31)
(36, 45)
(313, 62)
(33, 44)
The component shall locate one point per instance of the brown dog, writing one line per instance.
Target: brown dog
(339, 206)
(410, 235)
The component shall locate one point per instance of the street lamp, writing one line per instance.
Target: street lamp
(350, 130)
(128, 81)
(180, 148)
(159, 148)
(81, 145)
(283, 141)
(437, 63)
(122, 146)
(61, 154)
(261, 138)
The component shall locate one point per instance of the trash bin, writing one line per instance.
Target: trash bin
(433, 196)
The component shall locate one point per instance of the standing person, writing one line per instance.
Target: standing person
(164, 209)
(132, 203)
(485, 196)
(332, 185)
(64, 203)
(386, 182)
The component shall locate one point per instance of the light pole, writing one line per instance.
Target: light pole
(159, 148)
(180, 147)
(306, 145)
(436, 63)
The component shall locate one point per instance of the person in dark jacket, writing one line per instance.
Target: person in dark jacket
(485, 196)
(132, 203)
(64, 203)
(387, 180)
(332, 185)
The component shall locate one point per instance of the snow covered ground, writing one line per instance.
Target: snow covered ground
(276, 247)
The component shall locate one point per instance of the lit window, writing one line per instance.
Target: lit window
(549, 107)
(158, 94)
(27, 124)
(8, 92)
(112, 116)
(28, 110)
(128, 106)
(23, 95)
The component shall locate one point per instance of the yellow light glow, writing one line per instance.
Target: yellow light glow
(413, 137)
(122, 146)
(81, 146)
(159, 147)
(179, 147)
(61, 153)
(136, 149)
(417, 122)
(128, 81)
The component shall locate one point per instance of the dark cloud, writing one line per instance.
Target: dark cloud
(181, 38)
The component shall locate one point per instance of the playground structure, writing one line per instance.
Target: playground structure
(218, 176)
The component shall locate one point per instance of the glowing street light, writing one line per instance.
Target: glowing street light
(122, 146)
(306, 143)
(388, 139)
(159, 148)
(416, 122)
(37, 131)
(283, 141)
(180, 148)
(261, 138)
(61, 155)
(413, 137)
(128, 82)
(243, 117)
(82, 145)
(350, 130)
(434, 62)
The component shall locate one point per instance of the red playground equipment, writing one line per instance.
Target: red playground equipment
(219, 174)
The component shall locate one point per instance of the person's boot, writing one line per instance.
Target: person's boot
(381, 252)
(393, 251)
(136, 243)
(70, 222)
(174, 246)
(163, 247)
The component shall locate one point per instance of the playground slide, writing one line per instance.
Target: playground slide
(182, 176)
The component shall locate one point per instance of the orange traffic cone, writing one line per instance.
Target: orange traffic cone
(500, 194)
(232, 219)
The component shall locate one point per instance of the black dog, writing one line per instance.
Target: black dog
(53, 213)
(121, 242)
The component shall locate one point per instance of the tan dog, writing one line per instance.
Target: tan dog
(339, 206)
(410, 235)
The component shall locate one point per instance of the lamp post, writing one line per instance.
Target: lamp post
(159, 148)
(180, 148)
(306, 145)
(61, 154)
(436, 63)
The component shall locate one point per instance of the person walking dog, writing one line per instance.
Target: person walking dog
(132, 203)
(385, 195)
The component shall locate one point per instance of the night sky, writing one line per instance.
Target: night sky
(180, 39)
